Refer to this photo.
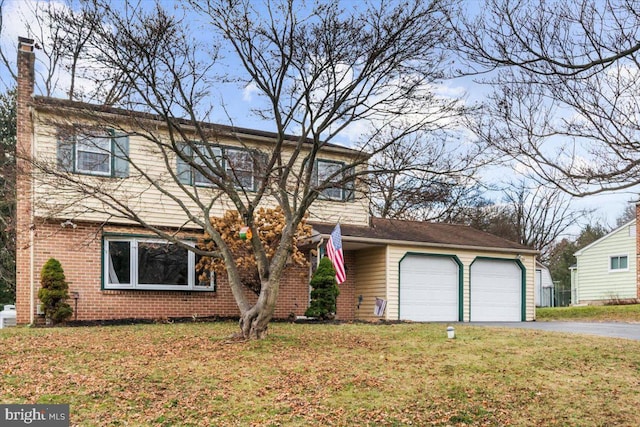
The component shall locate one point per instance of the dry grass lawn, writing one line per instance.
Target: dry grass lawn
(318, 375)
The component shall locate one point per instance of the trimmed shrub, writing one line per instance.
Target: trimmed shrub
(324, 291)
(54, 292)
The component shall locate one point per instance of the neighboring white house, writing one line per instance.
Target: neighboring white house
(544, 286)
(606, 269)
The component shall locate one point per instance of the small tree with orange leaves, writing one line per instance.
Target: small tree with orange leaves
(269, 224)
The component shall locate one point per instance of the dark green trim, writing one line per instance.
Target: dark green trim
(114, 235)
(102, 278)
(73, 144)
(460, 278)
(141, 236)
(523, 280)
(112, 150)
(223, 163)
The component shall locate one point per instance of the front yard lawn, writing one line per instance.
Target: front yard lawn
(318, 375)
(596, 313)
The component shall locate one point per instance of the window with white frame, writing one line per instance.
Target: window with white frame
(239, 163)
(207, 157)
(328, 172)
(93, 155)
(152, 264)
(94, 152)
(619, 263)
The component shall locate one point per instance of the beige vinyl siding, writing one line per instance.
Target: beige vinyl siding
(396, 253)
(53, 200)
(371, 273)
(595, 281)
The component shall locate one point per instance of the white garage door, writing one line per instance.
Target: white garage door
(429, 289)
(496, 291)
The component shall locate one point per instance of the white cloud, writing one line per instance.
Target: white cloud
(249, 91)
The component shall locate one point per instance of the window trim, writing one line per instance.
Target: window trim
(216, 151)
(619, 257)
(134, 240)
(89, 149)
(230, 171)
(186, 172)
(67, 152)
(347, 189)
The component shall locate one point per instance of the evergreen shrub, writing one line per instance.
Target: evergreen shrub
(54, 292)
(324, 291)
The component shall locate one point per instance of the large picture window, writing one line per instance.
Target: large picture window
(139, 263)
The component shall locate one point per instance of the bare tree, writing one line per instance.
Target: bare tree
(71, 31)
(627, 214)
(427, 176)
(6, 63)
(565, 79)
(532, 215)
(62, 32)
(540, 214)
(318, 70)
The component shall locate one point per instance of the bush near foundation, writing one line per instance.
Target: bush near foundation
(54, 292)
(324, 291)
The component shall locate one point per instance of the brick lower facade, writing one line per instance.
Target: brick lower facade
(79, 250)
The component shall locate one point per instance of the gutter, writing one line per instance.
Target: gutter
(376, 241)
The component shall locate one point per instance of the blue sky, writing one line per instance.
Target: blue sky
(238, 100)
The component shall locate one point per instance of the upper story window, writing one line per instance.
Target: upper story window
(208, 157)
(152, 264)
(102, 153)
(238, 163)
(93, 155)
(328, 172)
(619, 263)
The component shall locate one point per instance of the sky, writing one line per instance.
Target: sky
(239, 100)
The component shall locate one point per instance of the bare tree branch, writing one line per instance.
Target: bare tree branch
(565, 80)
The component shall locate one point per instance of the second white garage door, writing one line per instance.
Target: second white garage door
(496, 291)
(429, 288)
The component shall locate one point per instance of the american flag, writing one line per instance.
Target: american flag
(334, 252)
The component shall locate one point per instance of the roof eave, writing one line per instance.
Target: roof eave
(605, 237)
(375, 241)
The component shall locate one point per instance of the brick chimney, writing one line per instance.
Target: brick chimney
(26, 61)
(25, 298)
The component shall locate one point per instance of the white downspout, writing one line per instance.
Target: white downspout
(32, 227)
(31, 276)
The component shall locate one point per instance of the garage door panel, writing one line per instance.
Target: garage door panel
(429, 288)
(496, 291)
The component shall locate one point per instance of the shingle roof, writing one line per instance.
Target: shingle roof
(55, 103)
(433, 233)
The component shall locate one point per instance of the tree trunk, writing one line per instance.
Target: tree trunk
(255, 322)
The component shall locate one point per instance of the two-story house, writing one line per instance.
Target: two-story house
(120, 269)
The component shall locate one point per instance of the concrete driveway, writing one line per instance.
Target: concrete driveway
(611, 329)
